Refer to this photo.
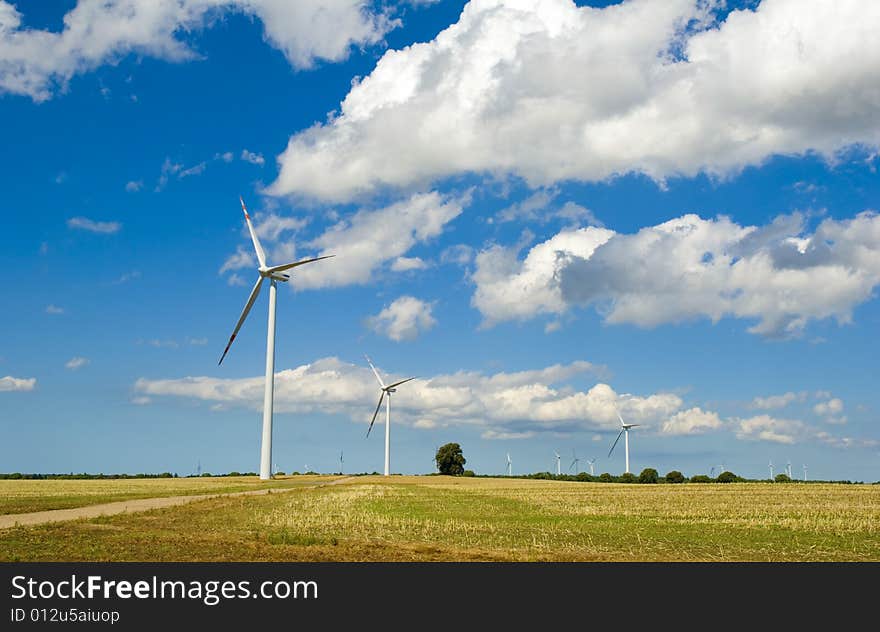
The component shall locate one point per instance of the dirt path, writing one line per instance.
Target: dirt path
(141, 504)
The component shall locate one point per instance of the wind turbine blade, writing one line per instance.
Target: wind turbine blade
(615, 443)
(288, 266)
(244, 313)
(375, 372)
(261, 256)
(400, 382)
(621, 419)
(378, 406)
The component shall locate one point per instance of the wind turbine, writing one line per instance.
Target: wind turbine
(712, 472)
(805, 473)
(509, 470)
(624, 430)
(385, 390)
(574, 463)
(590, 462)
(274, 274)
(788, 468)
(771, 470)
(341, 462)
(558, 466)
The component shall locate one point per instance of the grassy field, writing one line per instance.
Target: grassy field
(438, 518)
(22, 496)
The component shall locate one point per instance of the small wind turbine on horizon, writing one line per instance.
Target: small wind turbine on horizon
(558, 464)
(341, 462)
(788, 468)
(805, 473)
(274, 274)
(509, 470)
(771, 469)
(590, 463)
(385, 390)
(574, 463)
(624, 430)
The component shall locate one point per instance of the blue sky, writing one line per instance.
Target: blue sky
(547, 212)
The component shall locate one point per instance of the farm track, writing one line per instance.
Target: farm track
(138, 505)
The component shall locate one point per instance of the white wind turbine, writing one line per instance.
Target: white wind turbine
(385, 390)
(558, 466)
(805, 473)
(771, 470)
(788, 469)
(274, 274)
(624, 430)
(509, 470)
(341, 462)
(574, 463)
(590, 463)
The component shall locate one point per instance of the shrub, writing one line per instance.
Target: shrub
(700, 478)
(627, 478)
(782, 478)
(649, 475)
(605, 477)
(468, 473)
(675, 477)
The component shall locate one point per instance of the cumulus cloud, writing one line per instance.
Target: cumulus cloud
(549, 91)
(767, 428)
(370, 238)
(525, 401)
(691, 421)
(405, 264)
(541, 207)
(831, 411)
(133, 186)
(779, 275)
(772, 402)
(76, 363)
(10, 383)
(37, 63)
(404, 319)
(84, 223)
(54, 309)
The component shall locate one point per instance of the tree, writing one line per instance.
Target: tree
(649, 475)
(675, 477)
(727, 477)
(605, 477)
(450, 460)
(782, 478)
(627, 477)
(700, 478)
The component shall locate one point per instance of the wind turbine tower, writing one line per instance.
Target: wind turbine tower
(558, 465)
(574, 463)
(383, 391)
(590, 462)
(509, 470)
(276, 275)
(771, 470)
(624, 430)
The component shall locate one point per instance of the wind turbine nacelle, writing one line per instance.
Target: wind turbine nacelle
(278, 276)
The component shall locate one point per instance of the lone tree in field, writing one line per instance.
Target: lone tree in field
(649, 475)
(450, 460)
(782, 478)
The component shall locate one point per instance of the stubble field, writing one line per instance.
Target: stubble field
(440, 518)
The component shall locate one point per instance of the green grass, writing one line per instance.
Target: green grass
(437, 518)
(23, 496)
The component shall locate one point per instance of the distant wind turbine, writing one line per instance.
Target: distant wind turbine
(385, 390)
(624, 430)
(341, 463)
(558, 465)
(771, 469)
(805, 473)
(590, 462)
(274, 274)
(788, 468)
(574, 463)
(509, 470)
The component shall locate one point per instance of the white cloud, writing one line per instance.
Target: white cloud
(367, 240)
(226, 156)
(773, 402)
(459, 254)
(54, 309)
(404, 319)
(76, 363)
(541, 207)
(84, 223)
(197, 341)
(549, 91)
(767, 428)
(831, 407)
(405, 264)
(525, 401)
(689, 268)
(37, 63)
(691, 421)
(509, 289)
(241, 259)
(141, 400)
(252, 157)
(10, 383)
(133, 186)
